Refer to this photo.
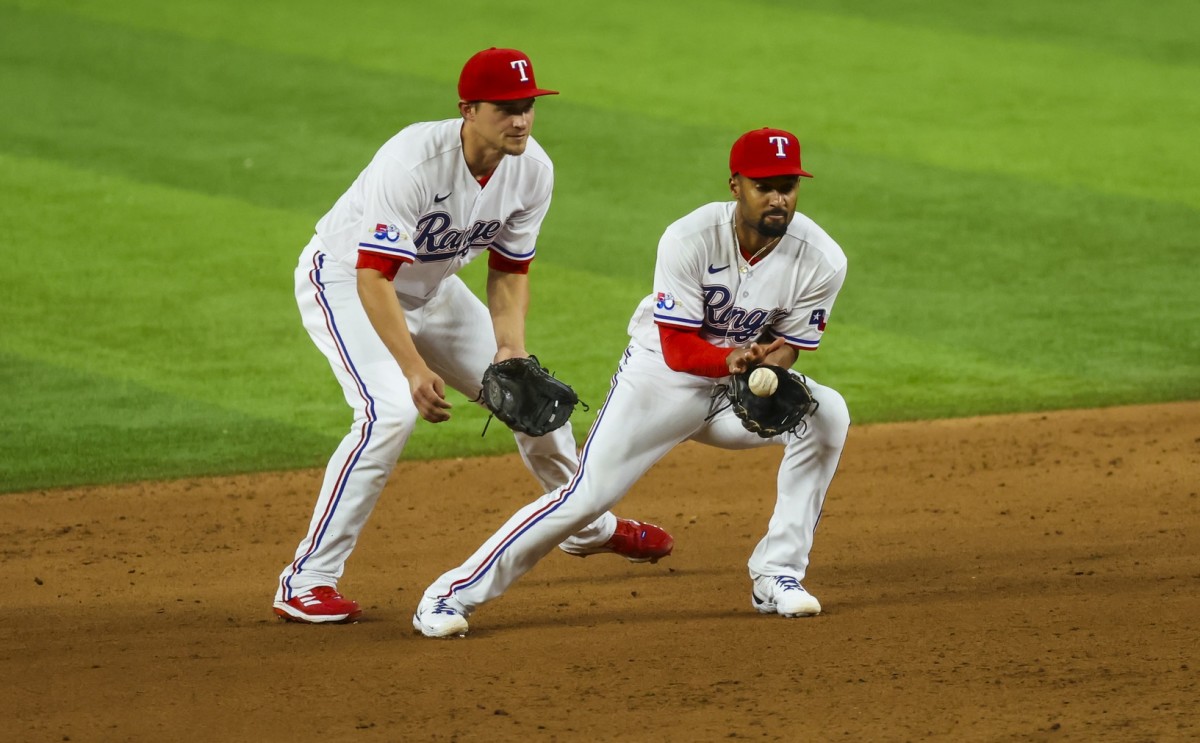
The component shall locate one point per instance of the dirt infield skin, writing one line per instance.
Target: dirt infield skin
(1017, 578)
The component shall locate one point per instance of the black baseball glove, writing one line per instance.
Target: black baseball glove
(778, 413)
(525, 397)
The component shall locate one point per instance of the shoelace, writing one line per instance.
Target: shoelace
(441, 607)
(788, 583)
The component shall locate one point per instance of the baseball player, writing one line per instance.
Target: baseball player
(736, 284)
(378, 294)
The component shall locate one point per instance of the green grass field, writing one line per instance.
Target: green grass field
(1017, 189)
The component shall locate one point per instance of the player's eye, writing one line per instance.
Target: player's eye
(517, 109)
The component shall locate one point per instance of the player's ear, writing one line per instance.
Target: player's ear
(467, 109)
(733, 185)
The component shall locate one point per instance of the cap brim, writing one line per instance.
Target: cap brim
(520, 94)
(763, 173)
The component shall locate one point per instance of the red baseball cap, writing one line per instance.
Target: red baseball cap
(766, 153)
(499, 75)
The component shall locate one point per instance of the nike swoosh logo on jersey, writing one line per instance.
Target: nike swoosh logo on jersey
(714, 269)
(439, 199)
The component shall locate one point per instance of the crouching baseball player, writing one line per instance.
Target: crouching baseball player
(740, 288)
(378, 294)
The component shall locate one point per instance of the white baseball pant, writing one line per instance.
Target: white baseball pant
(453, 332)
(650, 410)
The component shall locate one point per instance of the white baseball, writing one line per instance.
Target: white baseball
(763, 382)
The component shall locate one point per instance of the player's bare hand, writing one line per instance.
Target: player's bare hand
(742, 359)
(429, 395)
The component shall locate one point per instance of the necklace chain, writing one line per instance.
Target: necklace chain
(744, 263)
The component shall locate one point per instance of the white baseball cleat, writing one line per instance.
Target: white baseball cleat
(783, 595)
(440, 617)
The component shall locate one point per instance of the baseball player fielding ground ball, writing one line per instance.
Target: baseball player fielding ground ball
(738, 285)
(379, 296)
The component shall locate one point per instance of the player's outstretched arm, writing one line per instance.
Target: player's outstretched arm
(383, 310)
(508, 303)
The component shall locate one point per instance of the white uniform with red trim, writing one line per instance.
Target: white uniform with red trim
(701, 283)
(416, 201)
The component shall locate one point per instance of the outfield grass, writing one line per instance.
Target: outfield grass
(1017, 189)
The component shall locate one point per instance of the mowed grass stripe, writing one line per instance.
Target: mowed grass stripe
(1114, 27)
(1039, 276)
(184, 294)
(79, 427)
(209, 117)
(940, 85)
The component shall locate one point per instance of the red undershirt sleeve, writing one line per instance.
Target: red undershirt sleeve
(381, 263)
(686, 351)
(497, 262)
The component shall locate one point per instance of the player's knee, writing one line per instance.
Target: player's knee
(388, 429)
(832, 419)
(551, 458)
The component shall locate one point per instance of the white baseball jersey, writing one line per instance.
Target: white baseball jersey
(701, 282)
(418, 202)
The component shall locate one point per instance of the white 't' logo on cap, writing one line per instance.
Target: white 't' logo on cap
(780, 143)
(519, 65)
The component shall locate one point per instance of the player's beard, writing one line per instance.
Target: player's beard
(773, 229)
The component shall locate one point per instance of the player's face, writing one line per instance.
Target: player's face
(766, 205)
(503, 125)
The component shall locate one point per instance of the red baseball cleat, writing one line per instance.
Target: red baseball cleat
(636, 541)
(321, 605)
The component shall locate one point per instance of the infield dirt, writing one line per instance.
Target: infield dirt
(1019, 578)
